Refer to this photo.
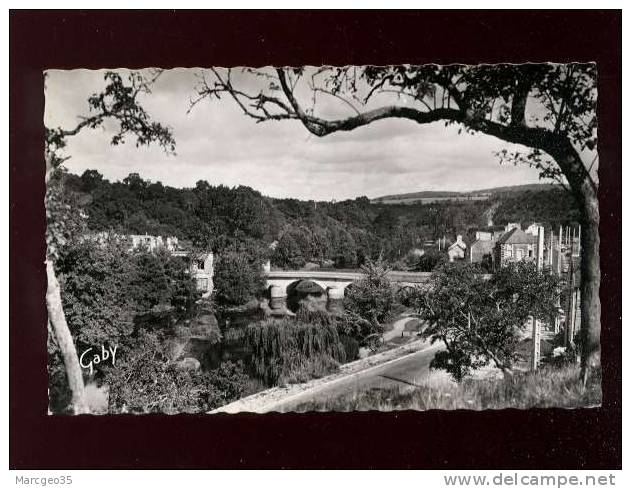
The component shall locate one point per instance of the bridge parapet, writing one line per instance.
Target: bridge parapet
(332, 282)
(332, 275)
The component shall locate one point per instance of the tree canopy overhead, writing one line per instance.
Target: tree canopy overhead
(528, 104)
(548, 108)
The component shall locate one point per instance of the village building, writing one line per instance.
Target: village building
(512, 225)
(483, 235)
(534, 229)
(153, 243)
(515, 246)
(457, 250)
(480, 250)
(201, 268)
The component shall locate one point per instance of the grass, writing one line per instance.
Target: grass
(549, 387)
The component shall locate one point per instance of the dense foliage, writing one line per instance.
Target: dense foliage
(553, 207)
(237, 278)
(342, 234)
(291, 351)
(146, 380)
(480, 320)
(105, 288)
(370, 302)
(430, 260)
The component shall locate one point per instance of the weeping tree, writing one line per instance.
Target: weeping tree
(548, 110)
(293, 351)
(119, 103)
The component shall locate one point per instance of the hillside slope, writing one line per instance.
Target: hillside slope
(345, 233)
(428, 196)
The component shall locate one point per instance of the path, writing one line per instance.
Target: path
(408, 371)
(397, 328)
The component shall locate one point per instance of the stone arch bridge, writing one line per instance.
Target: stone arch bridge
(279, 282)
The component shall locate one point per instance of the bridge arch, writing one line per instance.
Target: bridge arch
(304, 290)
(334, 283)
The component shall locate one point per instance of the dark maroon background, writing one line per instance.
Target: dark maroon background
(553, 438)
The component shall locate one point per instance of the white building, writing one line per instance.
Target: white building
(152, 243)
(457, 250)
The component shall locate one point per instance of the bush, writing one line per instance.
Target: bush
(289, 350)
(373, 296)
(366, 333)
(145, 380)
(406, 296)
(237, 279)
(431, 260)
(370, 303)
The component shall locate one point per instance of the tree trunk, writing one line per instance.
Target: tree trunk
(57, 319)
(590, 284)
(585, 192)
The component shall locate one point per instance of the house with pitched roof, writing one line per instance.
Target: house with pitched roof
(480, 250)
(457, 250)
(514, 246)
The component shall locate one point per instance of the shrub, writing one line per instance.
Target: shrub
(431, 260)
(145, 380)
(406, 296)
(373, 296)
(289, 350)
(366, 333)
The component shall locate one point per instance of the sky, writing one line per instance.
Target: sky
(217, 143)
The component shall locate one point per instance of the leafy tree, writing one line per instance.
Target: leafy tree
(104, 287)
(91, 180)
(345, 250)
(96, 292)
(118, 102)
(288, 253)
(481, 320)
(548, 108)
(293, 351)
(369, 304)
(237, 278)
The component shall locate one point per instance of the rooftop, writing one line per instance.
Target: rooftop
(517, 236)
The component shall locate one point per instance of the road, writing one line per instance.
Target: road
(406, 371)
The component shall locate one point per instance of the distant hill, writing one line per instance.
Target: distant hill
(418, 195)
(537, 187)
(441, 196)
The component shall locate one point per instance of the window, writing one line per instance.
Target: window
(530, 253)
(202, 284)
(509, 251)
(519, 254)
